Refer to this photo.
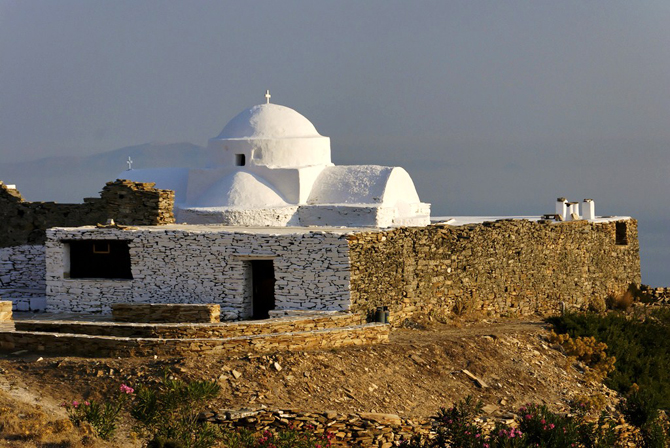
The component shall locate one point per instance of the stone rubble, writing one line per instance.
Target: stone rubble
(364, 429)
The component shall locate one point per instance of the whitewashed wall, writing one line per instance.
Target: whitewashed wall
(22, 276)
(181, 265)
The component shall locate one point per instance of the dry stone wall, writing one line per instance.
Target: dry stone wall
(657, 295)
(22, 277)
(105, 346)
(165, 312)
(503, 267)
(317, 321)
(23, 230)
(363, 429)
(129, 203)
(189, 264)
(22, 267)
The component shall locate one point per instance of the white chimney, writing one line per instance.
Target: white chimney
(573, 211)
(589, 209)
(561, 207)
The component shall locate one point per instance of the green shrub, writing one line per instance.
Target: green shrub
(639, 344)
(288, 438)
(654, 434)
(168, 413)
(639, 407)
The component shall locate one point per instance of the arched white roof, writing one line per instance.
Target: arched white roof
(268, 121)
(271, 135)
(363, 184)
(240, 189)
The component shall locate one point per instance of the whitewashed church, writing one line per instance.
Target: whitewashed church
(272, 227)
(272, 168)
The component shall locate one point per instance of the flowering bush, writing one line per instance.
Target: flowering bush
(457, 427)
(538, 427)
(102, 417)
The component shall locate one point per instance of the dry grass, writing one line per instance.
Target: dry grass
(620, 302)
(24, 425)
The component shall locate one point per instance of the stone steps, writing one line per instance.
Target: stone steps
(51, 343)
(220, 330)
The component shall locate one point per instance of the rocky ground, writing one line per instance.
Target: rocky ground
(505, 363)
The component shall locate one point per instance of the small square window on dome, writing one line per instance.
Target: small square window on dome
(240, 160)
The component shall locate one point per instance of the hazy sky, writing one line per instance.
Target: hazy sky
(492, 106)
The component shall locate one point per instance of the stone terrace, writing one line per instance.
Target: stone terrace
(104, 338)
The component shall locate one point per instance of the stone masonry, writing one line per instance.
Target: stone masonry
(22, 267)
(363, 429)
(22, 276)
(498, 268)
(23, 230)
(502, 267)
(112, 346)
(128, 203)
(166, 312)
(205, 264)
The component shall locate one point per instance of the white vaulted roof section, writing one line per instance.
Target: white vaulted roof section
(363, 184)
(240, 189)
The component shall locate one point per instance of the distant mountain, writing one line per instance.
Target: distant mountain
(69, 179)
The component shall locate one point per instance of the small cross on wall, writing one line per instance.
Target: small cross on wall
(267, 96)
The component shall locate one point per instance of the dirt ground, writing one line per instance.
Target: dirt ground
(413, 375)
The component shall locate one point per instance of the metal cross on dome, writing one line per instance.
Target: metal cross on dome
(130, 163)
(267, 96)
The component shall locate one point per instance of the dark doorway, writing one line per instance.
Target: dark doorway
(263, 279)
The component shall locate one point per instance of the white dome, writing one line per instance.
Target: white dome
(273, 136)
(268, 121)
(241, 189)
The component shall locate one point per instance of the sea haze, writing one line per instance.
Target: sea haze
(481, 183)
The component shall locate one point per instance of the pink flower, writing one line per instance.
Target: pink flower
(126, 389)
(87, 403)
(75, 403)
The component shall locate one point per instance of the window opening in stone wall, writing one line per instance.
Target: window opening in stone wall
(621, 234)
(263, 289)
(99, 259)
(240, 159)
